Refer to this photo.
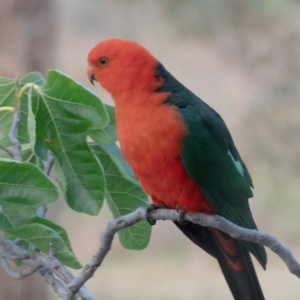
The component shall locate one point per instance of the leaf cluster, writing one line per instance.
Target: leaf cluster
(62, 117)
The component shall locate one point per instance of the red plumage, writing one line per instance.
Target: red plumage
(152, 151)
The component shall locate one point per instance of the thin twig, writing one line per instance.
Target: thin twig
(13, 248)
(41, 211)
(8, 151)
(13, 257)
(23, 274)
(49, 164)
(106, 239)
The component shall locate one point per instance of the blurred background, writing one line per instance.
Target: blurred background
(241, 57)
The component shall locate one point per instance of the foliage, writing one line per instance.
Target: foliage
(62, 117)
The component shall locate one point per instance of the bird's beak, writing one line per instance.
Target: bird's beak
(91, 75)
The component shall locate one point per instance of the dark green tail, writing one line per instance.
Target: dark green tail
(233, 258)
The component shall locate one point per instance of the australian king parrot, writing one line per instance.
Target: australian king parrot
(182, 153)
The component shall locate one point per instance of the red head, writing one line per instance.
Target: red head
(121, 66)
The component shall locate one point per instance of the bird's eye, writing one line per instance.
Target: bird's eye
(103, 60)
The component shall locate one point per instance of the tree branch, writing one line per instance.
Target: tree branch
(106, 239)
(56, 274)
(23, 274)
(250, 235)
(68, 287)
(57, 285)
(218, 222)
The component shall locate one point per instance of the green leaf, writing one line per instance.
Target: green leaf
(27, 122)
(60, 177)
(23, 188)
(123, 196)
(106, 140)
(107, 134)
(41, 233)
(8, 91)
(7, 98)
(33, 77)
(26, 152)
(31, 126)
(65, 112)
(24, 183)
(117, 157)
(110, 129)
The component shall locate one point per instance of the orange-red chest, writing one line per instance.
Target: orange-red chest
(150, 135)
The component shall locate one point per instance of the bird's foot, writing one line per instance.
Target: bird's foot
(181, 216)
(150, 209)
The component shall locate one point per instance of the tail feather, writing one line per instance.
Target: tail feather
(233, 258)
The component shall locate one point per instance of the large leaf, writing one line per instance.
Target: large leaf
(65, 112)
(24, 184)
(23, 188)
(124, 196)
(41, 233)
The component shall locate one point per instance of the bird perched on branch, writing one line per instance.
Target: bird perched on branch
(182, 153)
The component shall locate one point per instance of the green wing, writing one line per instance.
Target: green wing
(212, 160)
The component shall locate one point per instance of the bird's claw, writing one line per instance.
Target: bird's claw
(150, 209)
(181, 216)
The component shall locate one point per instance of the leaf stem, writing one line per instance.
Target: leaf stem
(7, 108)
(23, 90)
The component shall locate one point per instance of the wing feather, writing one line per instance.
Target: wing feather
(212, 160)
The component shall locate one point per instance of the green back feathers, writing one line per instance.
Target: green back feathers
(211, 158)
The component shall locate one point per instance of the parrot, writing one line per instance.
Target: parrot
(182, 153)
